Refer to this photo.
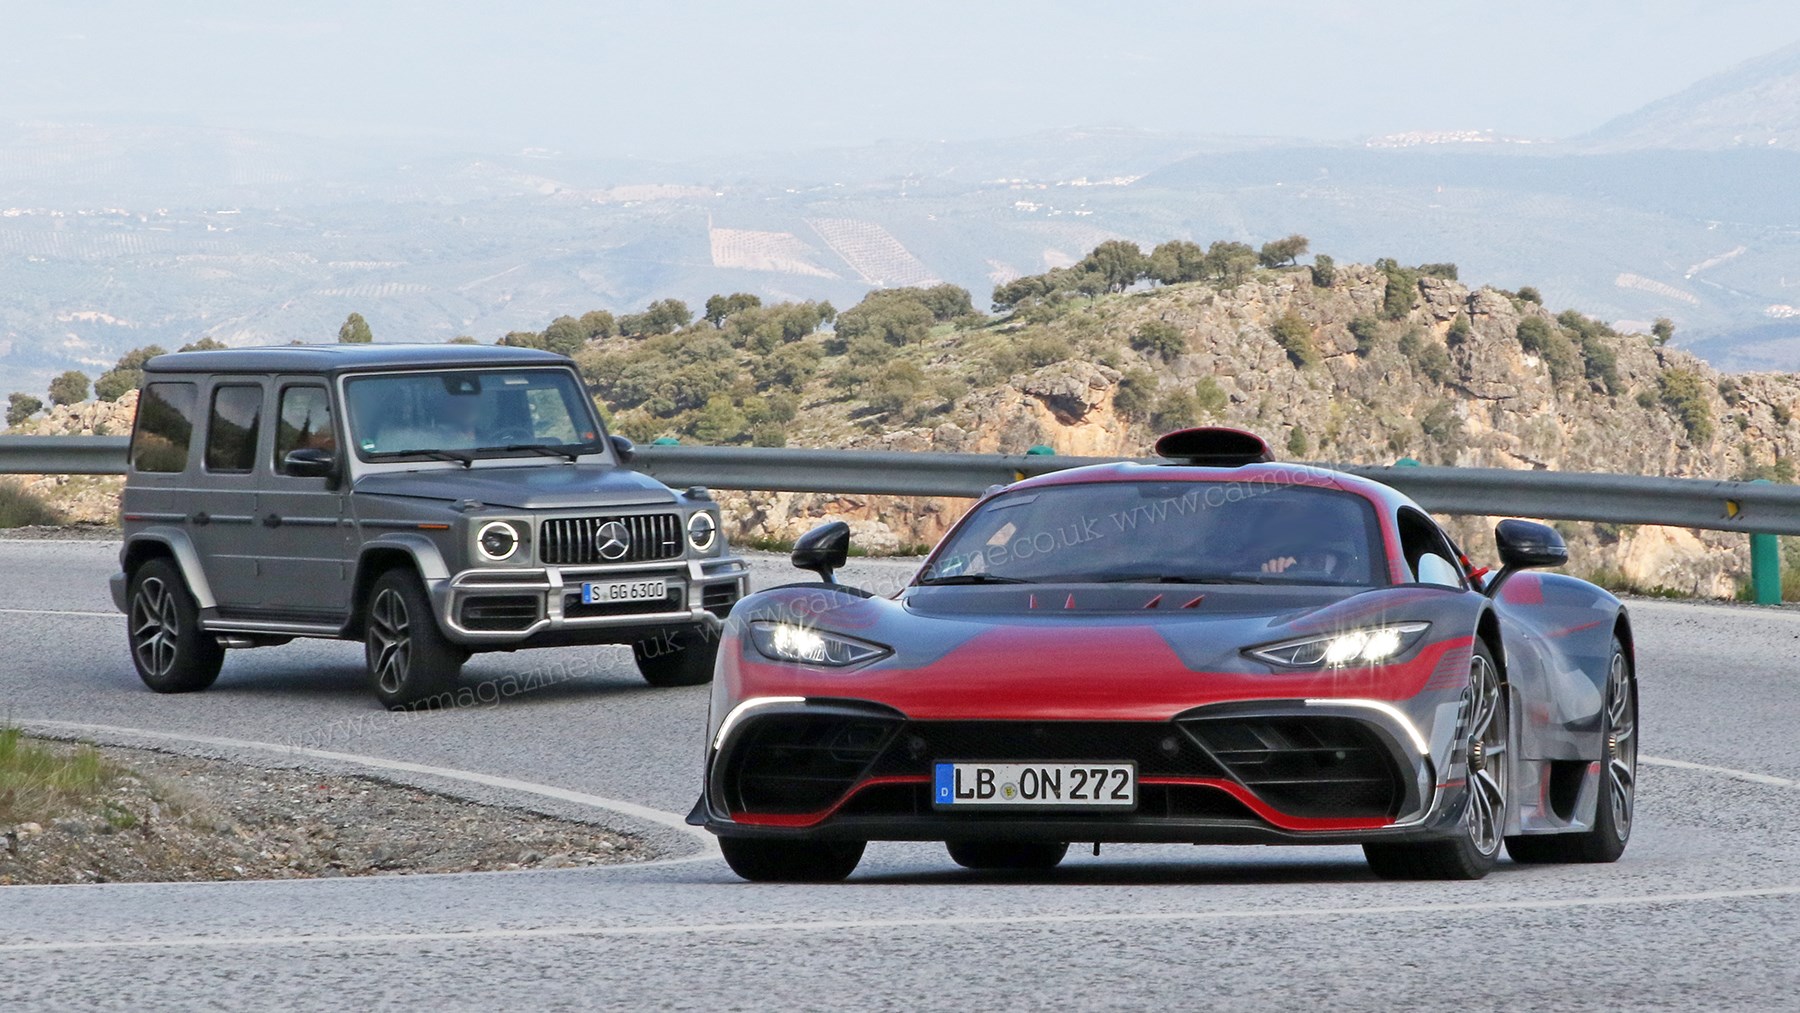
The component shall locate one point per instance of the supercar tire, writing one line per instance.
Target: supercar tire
(409, 659)
(168, 648)
(761, 861)
(1007, 854)
(683, 658)
(1486, 750)
(1611, 831)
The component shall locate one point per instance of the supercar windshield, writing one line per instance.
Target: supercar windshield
(1166, 532)
(464, 414)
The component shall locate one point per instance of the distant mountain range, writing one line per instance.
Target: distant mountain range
(114, 236)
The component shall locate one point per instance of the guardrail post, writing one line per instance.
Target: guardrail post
(1765, 565)
(1765, 568)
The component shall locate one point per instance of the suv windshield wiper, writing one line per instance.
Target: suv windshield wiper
(466, 460)
(570, 451)
(974, 578)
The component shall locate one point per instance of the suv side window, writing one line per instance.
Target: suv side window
(165, 427)
(1428, 555)
(232, 428)
(303, 422)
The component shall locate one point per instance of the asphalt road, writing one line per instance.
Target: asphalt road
(1703, 911)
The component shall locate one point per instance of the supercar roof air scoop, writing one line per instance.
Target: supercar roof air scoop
(1213, 447)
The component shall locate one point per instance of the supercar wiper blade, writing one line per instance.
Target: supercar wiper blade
(1172, 578)
(973, 578)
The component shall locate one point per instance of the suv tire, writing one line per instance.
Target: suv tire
(171, 652)
(677, 658)
(409, 660)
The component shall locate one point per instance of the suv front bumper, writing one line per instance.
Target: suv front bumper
(494, 607)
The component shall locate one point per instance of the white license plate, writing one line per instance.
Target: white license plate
(610, 591)
(1036, 785)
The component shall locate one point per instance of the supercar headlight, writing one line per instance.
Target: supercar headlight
(497, 540)
(703, 530)
(1338, 650)
(803, 645)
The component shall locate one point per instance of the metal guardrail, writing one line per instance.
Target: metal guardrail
(1751, 507)
(63, 455)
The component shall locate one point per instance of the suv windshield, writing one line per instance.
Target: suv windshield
(1165, 532)
(466, 413)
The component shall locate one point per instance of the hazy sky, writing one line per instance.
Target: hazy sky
(672, 79)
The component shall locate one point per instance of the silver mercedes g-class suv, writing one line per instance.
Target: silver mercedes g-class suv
(429, 501)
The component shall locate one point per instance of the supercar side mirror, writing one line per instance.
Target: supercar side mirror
(624, 448)
(823, 549)
(1526, 545)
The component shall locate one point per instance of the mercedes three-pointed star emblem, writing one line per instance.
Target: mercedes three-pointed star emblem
(612, 540)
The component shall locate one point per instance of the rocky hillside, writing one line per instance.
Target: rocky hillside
(1377, 364)
(1357, 364)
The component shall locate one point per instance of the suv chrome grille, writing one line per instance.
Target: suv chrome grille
(576, 540)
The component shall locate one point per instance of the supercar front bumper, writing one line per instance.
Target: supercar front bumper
(1290, 771)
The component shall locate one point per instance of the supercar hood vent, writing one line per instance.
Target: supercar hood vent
(1213, 447)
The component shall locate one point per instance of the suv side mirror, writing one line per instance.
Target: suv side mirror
(624, 448)
(1525, 545)
(823, 549)
(309, 462)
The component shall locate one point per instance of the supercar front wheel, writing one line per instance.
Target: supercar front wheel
(761, 861)
(1472, 852)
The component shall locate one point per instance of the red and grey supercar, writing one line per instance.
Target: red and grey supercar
(1215, 649)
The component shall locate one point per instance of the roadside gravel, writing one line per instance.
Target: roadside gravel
(166, 818)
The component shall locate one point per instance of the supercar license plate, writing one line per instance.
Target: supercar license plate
(608, 592)
(1036, 785)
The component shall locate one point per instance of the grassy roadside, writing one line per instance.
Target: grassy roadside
(41, 782)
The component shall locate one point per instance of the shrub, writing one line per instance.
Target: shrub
(1445, 271)
(1426, 355)
(1543, 339)
(1159, 338)
(1662, 331)
(21, 406)
(1044, 348)
(20, 506)
(1209, 397)
(1136, 394)
(894, 386)
(717, 422)
(789, 366)
(768, 434)
(1684, 394)
(70, 387)
(1324, 271)
(1280, 252)
(1367, 332)
(1294, 335)
(1459, 331)
(1401, 291)
(1297, 444)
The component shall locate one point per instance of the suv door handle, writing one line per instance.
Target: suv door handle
(201, 517)
(272, 521)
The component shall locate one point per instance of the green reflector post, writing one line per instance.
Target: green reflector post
(665, 441)
(1041, 451)
(1765, 566)
(1406, 462)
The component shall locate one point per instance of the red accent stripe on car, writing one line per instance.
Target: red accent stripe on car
(1271, 815)
(815, 818)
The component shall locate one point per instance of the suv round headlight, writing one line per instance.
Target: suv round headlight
(498, 540)
(703, 531)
